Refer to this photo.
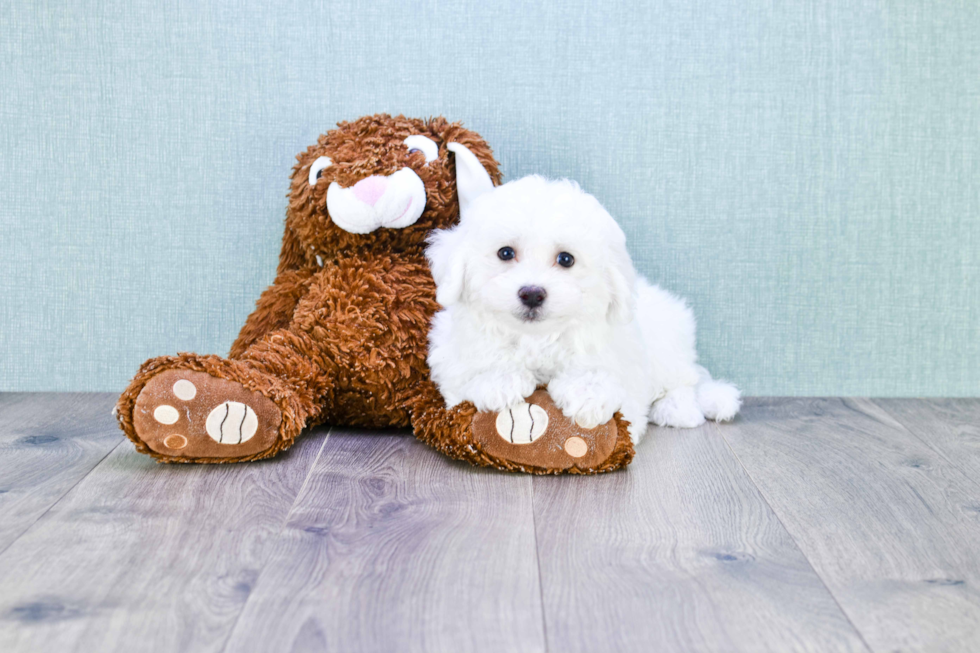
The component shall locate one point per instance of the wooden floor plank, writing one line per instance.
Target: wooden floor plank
(949, 426)
(148, 557)
(392, 547)
(890, 525)
(389, 546)
(48, 443)
(678, 553)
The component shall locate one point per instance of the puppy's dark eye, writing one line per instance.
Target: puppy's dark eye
(319, 173)
(414, 150)
(506, 253)
(566, 260)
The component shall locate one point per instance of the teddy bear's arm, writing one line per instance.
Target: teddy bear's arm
(292, 255)
(274, 308)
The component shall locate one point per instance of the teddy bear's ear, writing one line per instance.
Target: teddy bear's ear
(472, 179)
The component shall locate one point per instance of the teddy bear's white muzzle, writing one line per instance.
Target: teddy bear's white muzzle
(392, 202)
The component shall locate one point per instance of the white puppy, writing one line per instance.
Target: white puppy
(538, 288)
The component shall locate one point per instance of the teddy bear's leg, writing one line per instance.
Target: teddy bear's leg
(191, 408)
(274, 308)
(535, 437)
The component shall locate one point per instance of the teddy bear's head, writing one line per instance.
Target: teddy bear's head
(379, 183)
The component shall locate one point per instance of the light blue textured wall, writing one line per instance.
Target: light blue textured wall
(805, 172)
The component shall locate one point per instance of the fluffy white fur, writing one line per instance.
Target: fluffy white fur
(604, 339)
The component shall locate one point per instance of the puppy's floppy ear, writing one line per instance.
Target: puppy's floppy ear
(621, 280)
(448, 264)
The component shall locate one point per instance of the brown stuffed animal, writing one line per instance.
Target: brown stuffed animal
(340, 337)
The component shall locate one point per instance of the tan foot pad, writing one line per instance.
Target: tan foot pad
(188, 414)
(537, 433)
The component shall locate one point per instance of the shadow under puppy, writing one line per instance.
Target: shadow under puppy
(538, 288)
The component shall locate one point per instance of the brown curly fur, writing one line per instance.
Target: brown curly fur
(345, 342)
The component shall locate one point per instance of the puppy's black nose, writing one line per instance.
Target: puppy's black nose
(532, 296)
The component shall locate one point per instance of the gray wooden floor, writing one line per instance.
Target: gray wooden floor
(807, 524)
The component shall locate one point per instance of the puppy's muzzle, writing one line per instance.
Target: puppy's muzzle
(532, 296)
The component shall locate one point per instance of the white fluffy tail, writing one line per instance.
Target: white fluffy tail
(718, 400)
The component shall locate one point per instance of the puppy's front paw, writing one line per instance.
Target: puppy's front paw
(678, 408)
(588, 398)
(498, 391)
(718, 400)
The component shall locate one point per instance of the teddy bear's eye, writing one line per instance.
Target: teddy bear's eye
(426, 146)
(316, 170)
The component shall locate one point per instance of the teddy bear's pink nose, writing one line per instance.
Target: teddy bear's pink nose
(371, 189)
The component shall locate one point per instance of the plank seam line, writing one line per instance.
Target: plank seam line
(537, 563)
(915, 434)
(282, 527)
(789, 533)
(84, 476)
